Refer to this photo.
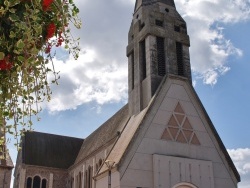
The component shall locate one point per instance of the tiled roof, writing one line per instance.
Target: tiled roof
(105, 133)
(42, 149)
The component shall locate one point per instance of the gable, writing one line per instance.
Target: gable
(176, 124)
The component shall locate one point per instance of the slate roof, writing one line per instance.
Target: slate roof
(105, 133)
(48, 150)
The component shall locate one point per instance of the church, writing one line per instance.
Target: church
(162, 138)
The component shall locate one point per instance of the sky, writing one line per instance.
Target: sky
(94, 87)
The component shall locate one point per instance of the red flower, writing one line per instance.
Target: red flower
(5, 64)
(48, 48)
(46, 4)
(51, 29)
(60, 39)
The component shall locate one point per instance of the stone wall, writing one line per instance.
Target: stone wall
(5, 177)
(56, 178)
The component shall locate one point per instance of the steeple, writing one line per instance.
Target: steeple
(158, 46)
(139, 3)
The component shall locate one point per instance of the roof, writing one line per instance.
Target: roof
(42, 149)
(104, 134)
(149, 2)
(132, 128)
(8, 163)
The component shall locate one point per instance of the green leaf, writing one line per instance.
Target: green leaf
(2, 55)
(20, 44)
(20, 58)
(13, 17)
(12, 34)
(5, 113)
(12, 10)
(6, 3)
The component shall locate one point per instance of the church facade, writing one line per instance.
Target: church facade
(163, 137)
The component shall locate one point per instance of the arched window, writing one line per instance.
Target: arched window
(29, 182)
(36, 182)
(44, 183)
(88, 177)
(185, 185)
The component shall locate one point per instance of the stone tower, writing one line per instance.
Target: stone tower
(158, 46)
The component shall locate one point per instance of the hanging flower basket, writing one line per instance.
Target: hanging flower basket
(29, 29)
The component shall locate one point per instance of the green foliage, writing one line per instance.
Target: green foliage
(28, 31)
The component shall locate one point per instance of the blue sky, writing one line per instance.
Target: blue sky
(94, 87)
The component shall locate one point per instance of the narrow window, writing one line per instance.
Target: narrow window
(100, 162)
(161, 56)
(36, 182)
(85, 178)
(159, 23)
(142, 25)
(29, 182)
(132, 70)
(72, 182)
(179, 56)
(90, 175)
(44, 183)
(80, 179)
(142, 52)
(177, 28)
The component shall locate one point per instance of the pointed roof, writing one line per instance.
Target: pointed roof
(149, 2)
(137, 125)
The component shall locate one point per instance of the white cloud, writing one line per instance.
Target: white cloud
(241, 158)
(210, 49)
(100, 73)
(88, 79)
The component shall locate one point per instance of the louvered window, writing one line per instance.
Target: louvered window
(177, 28)
(143, 59)
(179, 56)
(132, 70)
(161, 56)
(159, 23)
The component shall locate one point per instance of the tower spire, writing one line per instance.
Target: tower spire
(140, 3)
(158, 46)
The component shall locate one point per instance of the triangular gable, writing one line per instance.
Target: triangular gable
(180, 95)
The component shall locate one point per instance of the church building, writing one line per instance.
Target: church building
(6, 165)
(163, 137)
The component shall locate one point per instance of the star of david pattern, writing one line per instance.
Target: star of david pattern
(179, 128)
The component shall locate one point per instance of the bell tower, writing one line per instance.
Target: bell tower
(158, 46)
